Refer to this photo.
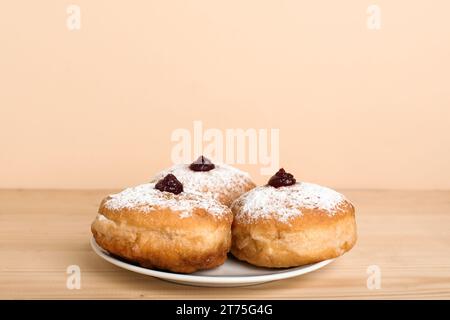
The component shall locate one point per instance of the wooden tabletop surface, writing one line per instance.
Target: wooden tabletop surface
(403, 234)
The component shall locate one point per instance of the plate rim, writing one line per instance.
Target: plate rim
(297, 271)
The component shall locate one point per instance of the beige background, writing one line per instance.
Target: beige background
(95, 108)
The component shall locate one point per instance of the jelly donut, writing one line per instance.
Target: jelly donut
(288, 223)
(219, 181)
(160, 225)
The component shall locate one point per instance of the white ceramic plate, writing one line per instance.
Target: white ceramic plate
(233, 273)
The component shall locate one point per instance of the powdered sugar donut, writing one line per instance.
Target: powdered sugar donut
(158, 225)
(288, 223)
(219, 181)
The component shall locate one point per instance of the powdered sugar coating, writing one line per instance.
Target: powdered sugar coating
(285, 203)
(222, 180)
(147, 199)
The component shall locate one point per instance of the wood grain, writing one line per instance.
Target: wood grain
(405, 233)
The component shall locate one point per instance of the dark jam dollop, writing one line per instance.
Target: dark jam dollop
(169, 184)
(281, 179)
(202, 164)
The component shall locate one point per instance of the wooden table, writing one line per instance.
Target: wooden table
(405, 233)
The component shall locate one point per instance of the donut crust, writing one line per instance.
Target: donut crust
(162, 239)
(227, 197)
(312, 236)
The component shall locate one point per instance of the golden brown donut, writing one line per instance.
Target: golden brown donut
(157, 229)
(292, 225)
(223, 183)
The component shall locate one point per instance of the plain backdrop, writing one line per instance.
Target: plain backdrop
(96, 107)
